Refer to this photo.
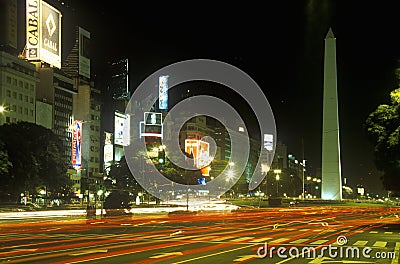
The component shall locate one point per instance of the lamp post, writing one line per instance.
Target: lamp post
(264, 171)
(277, 178)
(303, 165)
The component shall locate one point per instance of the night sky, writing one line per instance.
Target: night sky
(280, 45)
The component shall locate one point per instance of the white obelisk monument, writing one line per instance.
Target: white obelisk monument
(331, 165)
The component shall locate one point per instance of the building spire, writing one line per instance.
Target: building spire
(330, 33)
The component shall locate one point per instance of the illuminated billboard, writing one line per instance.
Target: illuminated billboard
(121, 129)
(108, 148)
(152, 118)
(77, 145)
(163, 92)
(84, 53)
(201, 153)
(43, 33)
(268, 142)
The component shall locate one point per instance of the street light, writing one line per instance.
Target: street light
(277, 178)
(264, 170)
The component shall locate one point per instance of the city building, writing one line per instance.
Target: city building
(87, 110)
(115, 98)
(18, 84)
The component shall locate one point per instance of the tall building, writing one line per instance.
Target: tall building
(331, 164)
(18, 82)
(116, 95)
(54, 105)
(8, 26)
(87, 110)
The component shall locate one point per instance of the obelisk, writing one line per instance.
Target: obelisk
(331, 166)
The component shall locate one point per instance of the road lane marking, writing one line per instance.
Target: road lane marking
(360, 243)
(167, 254)
(380, 244)
(262, 239)
(245, 257)
(186, 237)
(319, 242)
(388, 233)
(279, 240)
(223, 238)
(373, 232)
(241, 239)
(90, 251)
(204, 238)
(176, 233)
(299, 241)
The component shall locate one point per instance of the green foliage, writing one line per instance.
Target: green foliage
(123, 177)
(36, 155)
(383, 128)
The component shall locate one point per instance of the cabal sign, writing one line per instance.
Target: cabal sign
(43, 33)
(32, 29)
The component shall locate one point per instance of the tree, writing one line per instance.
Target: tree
(123, 177)
(37, 159)
(5, 166)
(383, 129)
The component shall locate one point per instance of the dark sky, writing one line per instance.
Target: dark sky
(280, 44)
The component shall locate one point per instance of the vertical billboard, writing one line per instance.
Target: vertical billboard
(163, 92)
(77, 144)
(43, 33)
(121, 129)
(108, 152)
(268, 142)
(84, 52)
(108, 148)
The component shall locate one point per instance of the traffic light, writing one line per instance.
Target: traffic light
(161, 156)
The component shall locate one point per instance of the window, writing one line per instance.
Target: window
(8, 79)
(14, 95)
(8, 93)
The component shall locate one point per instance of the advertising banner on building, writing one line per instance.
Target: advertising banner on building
(163, 92)
(77, 145)
(121, 129)
(108, 148)
(43, 33)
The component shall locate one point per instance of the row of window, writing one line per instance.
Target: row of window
(14, 120)
(20, 96)
(20, 83)
(20, 110)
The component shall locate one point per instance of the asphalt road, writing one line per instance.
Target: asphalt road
(325, 234)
